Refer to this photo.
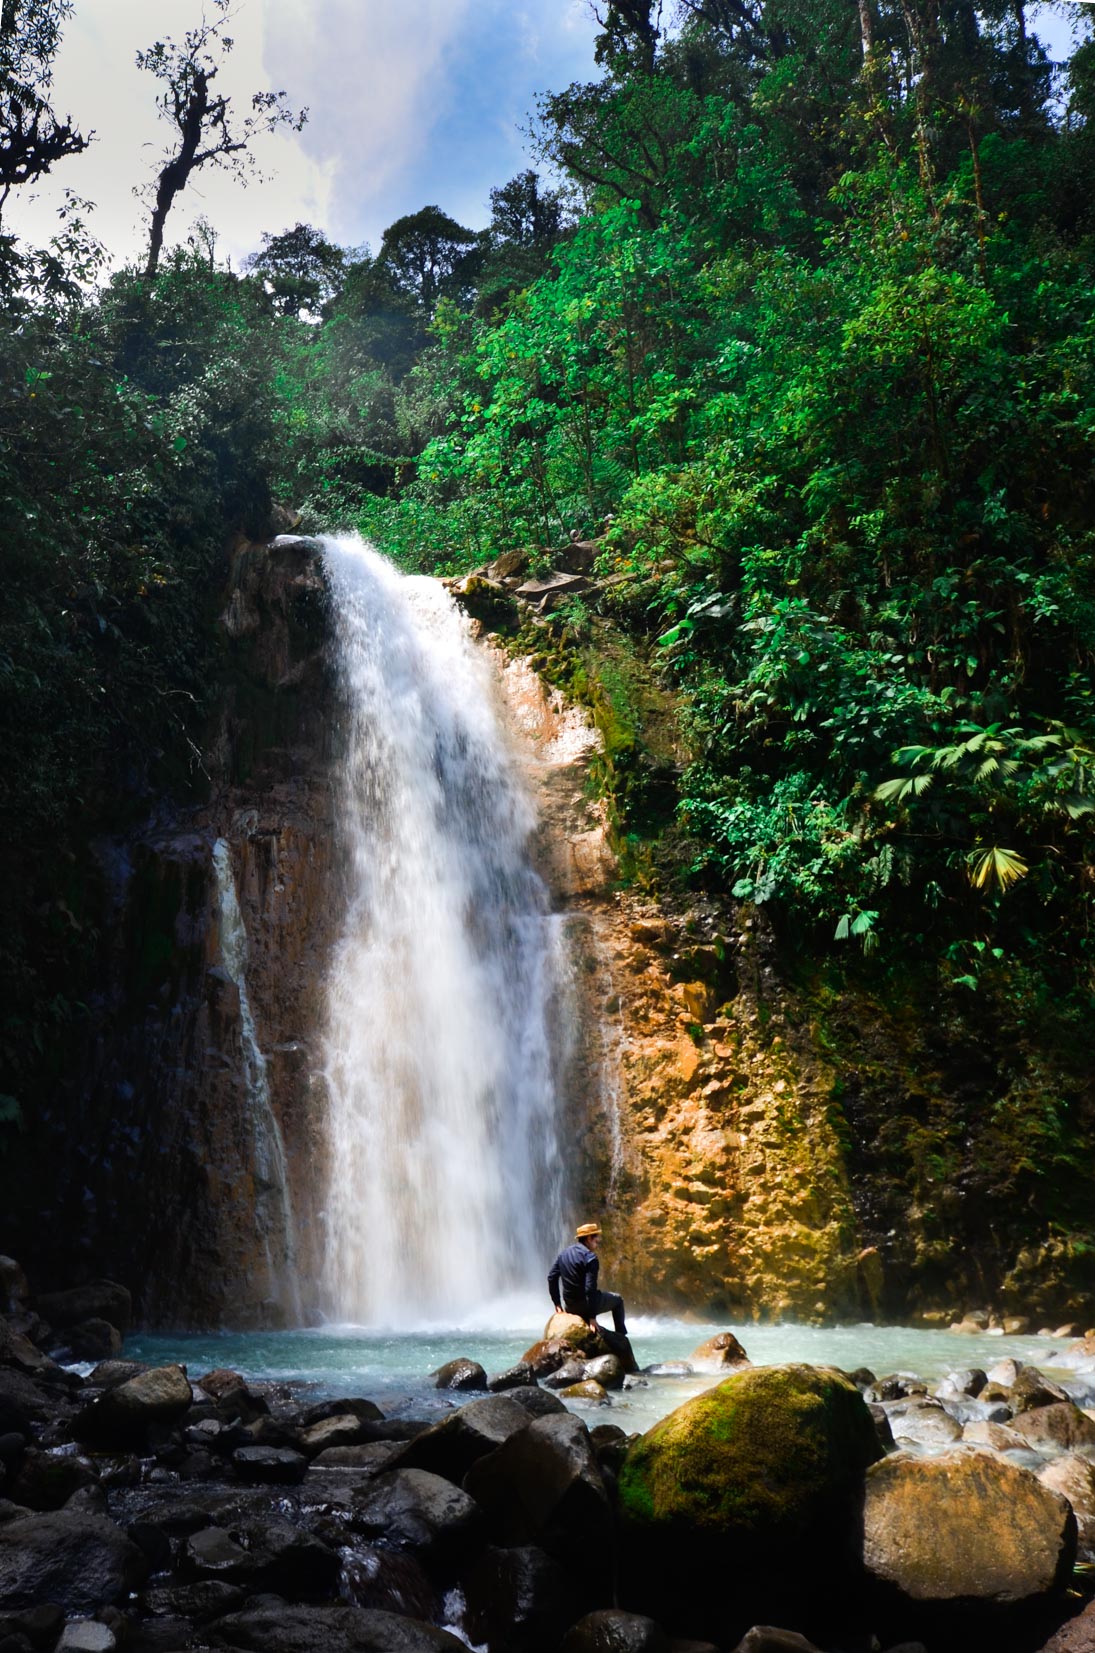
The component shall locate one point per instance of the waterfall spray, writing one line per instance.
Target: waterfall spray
(445, 1190)
(273, 1210)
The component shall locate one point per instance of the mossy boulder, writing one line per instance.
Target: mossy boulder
(746, 1496)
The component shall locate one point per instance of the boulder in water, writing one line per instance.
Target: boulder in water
(459, 1374)
(521, 1599)
(716, 1496)
(721, 1353)
(124, 1414)
(964, 1527)
(515, 1377)
(1031, 1390)
(587, 1390)
(607, 1370)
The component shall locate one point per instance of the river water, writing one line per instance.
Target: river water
(392, 1367)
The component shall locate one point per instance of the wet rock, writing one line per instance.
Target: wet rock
(94, 1340)
(611, 1631)
(41, 1626)
(606, 1370)
(22, 1403)
(768, 1463)
(588, 1391)
(537, 1402)
(895, 1386)
(341, 1430)
(87, 1636)
(124, 1414)
(80, 1562)
(214, 1553)
(546, 1357)
(204, 1601)
(270, 1465)
(964, 1527)
(997, 1436)
(329, 1630)
(421, 1511)
(571, 1371)
(669, 1369)
(18, 1351)
(366, 1411)
(99, 1300)
(969, 1381)
(394, 1581)
(460, 1374)
(516, 1377)
(544, 1487)
(1031, 1390)
(923, 1421)
(1074, 1478)
(1061, 1426)
(721, 1353)
(232, 1396)
(1004, 1372)
(47, 1480)
(458, 1441)
(372, 1457)
(521, 1599)
(109, 1373)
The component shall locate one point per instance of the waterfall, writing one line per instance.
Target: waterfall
(445, 1190)
(273, 1210)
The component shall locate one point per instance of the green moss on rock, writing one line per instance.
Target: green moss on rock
(765, 1454)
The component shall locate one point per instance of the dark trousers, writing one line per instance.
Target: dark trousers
(605, 1302)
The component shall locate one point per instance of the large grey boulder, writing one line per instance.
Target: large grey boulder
(453, 1445)
(964, 1527)
(521, 1599)
(544, 1486)
(1061, 1427)
(421, 1511)
(81, 1562)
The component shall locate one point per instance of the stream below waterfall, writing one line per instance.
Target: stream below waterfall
(392, 1367)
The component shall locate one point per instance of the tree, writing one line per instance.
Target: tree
(207, 130)
(302, 270)
(429, 254)
(32, 137)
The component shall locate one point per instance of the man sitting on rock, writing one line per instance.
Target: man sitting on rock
(575, 1272)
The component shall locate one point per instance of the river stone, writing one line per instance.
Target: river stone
(99, 1300)
(341, 1430)
(767, 1638)
(1077, 1636)
(571, 1371)
(713, 1499)
(1004, 1372)
(611, 1631)
(924, 1422)
(997, 1436)
(537, 1402)
(329, 1630)
(607, 1370)
(1074, 1478)
(17, 1350)
(460, 1374)
(515, 1377)
(970, 1380)
(270, 1465)
(721, 1353)
(232, 1397)
(87, 1636)
(14, 1290)
(587, 1390)
(81, 1562)
(123, 1414)
(453, 1445)
(94, 1340)
(366, 1411)
(371, 1457)
(546, 1357)
(964, 1527)
(544, 1486)
(208, 1599)
(421, 1511)
(521, 1599)
(669, 1369)
(47, 1480)
(1061, 1426)
(109, 1373)
(1031, 1389)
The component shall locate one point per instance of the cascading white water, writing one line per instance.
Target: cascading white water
(445, 1190)
(273, 1209)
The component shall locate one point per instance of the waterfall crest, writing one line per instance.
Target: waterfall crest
(445, 1190)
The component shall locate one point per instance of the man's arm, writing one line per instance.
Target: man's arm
(553, 1284)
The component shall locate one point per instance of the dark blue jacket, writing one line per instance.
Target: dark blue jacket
(575, 1269)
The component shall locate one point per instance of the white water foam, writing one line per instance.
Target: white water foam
(446, 1185)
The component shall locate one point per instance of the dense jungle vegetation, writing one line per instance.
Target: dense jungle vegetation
(797, 318)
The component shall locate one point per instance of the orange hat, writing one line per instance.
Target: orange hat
(586, 1230)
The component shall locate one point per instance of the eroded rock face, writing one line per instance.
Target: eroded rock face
(965, 1527)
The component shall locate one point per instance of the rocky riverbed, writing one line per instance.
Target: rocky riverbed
(789, 1507)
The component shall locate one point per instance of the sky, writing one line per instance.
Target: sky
(411, 103)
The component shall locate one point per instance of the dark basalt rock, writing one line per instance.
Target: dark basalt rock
(329, 1630)
(515, 1377)
(81, 1562)
(521, 1599)
(453, 1445)
(366, 1411)
(613, 1631)
(272, 1465)
(539, 1403)
(47, 1480)
(99, 1300)
(123, 1415)
(421, 1511)
(94, 1340)
(204, 1601)
(460, 1374)
(544, 1486)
